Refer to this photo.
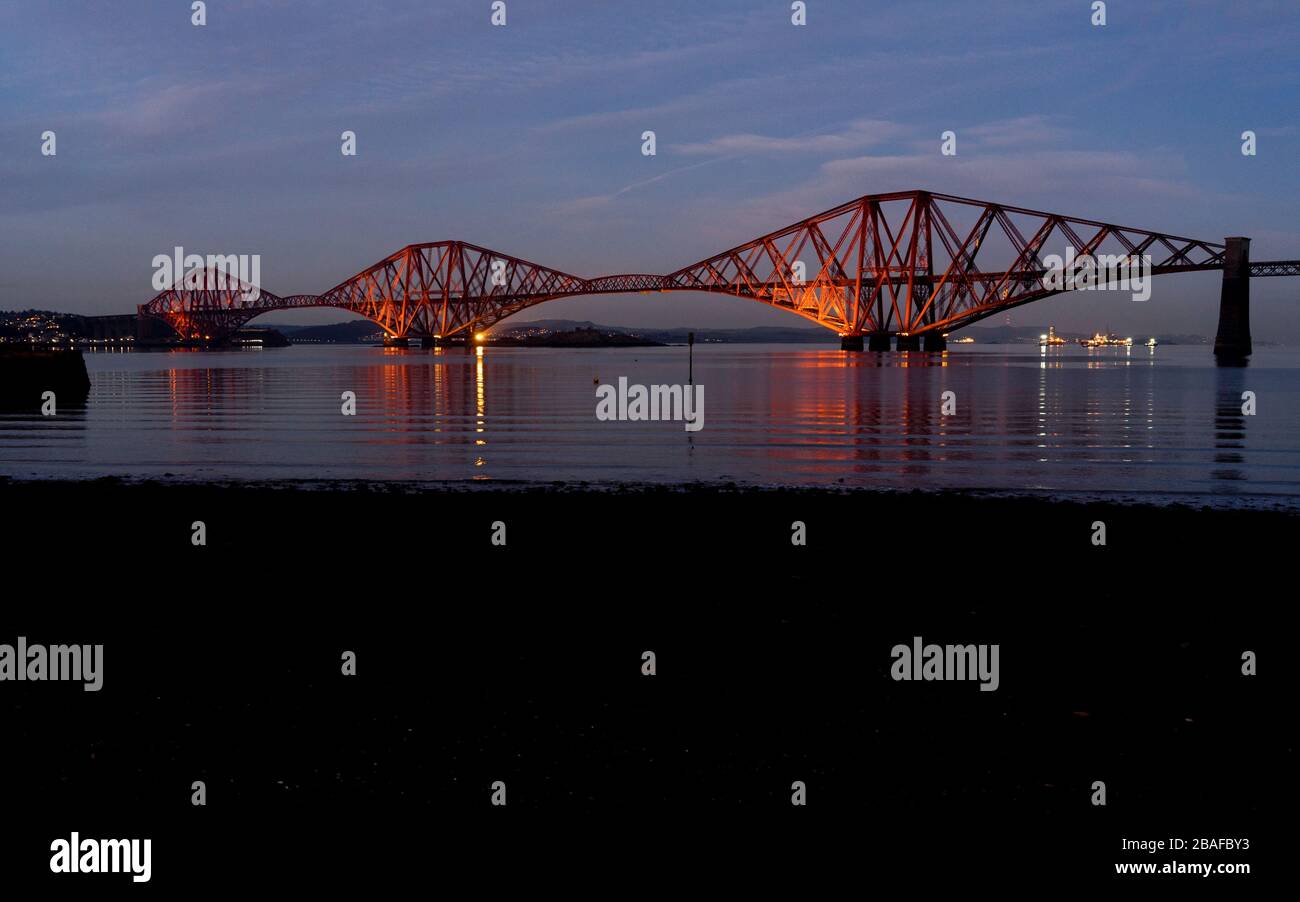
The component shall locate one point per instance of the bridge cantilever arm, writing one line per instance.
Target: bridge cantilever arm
(893, 263)
(1275, 268)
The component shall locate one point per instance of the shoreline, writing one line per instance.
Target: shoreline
(1245, 502)
(904, 530)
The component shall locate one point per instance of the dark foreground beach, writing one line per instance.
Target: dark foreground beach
(522, 663)
(966, 531)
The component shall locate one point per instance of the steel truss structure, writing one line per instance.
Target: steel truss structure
(908, 263)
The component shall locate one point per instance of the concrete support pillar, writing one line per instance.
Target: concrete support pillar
(1233, 338)
(909, 342)
(878, 341)
(396, 342)
(934, 341)
(850, 342)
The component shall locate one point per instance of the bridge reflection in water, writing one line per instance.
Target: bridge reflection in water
(1118, 421)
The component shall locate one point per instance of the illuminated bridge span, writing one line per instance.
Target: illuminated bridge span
(912, 265)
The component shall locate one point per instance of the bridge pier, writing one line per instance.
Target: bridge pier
(878, 341)
(1232, 342)
(850, 342)
(934, 342)
(396, 341)
(909, 342)
(446, 341)
(464, 340)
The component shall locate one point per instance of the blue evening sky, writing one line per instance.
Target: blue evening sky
(527, 138)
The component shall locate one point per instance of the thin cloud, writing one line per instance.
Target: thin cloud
(860, 133)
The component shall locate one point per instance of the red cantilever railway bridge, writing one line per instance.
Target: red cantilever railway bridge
(912, 265)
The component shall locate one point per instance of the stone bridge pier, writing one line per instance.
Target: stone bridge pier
(1232, 341)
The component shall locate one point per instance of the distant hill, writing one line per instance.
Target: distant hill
(754, 335)
(573, 338)
(357, 331)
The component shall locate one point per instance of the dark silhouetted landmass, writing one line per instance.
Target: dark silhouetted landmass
(45, 327)
(25, 375)
(360, 331)
(264, 338)
(575, 338)
(754, 335)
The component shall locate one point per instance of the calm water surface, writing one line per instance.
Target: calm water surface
(1161, 424)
